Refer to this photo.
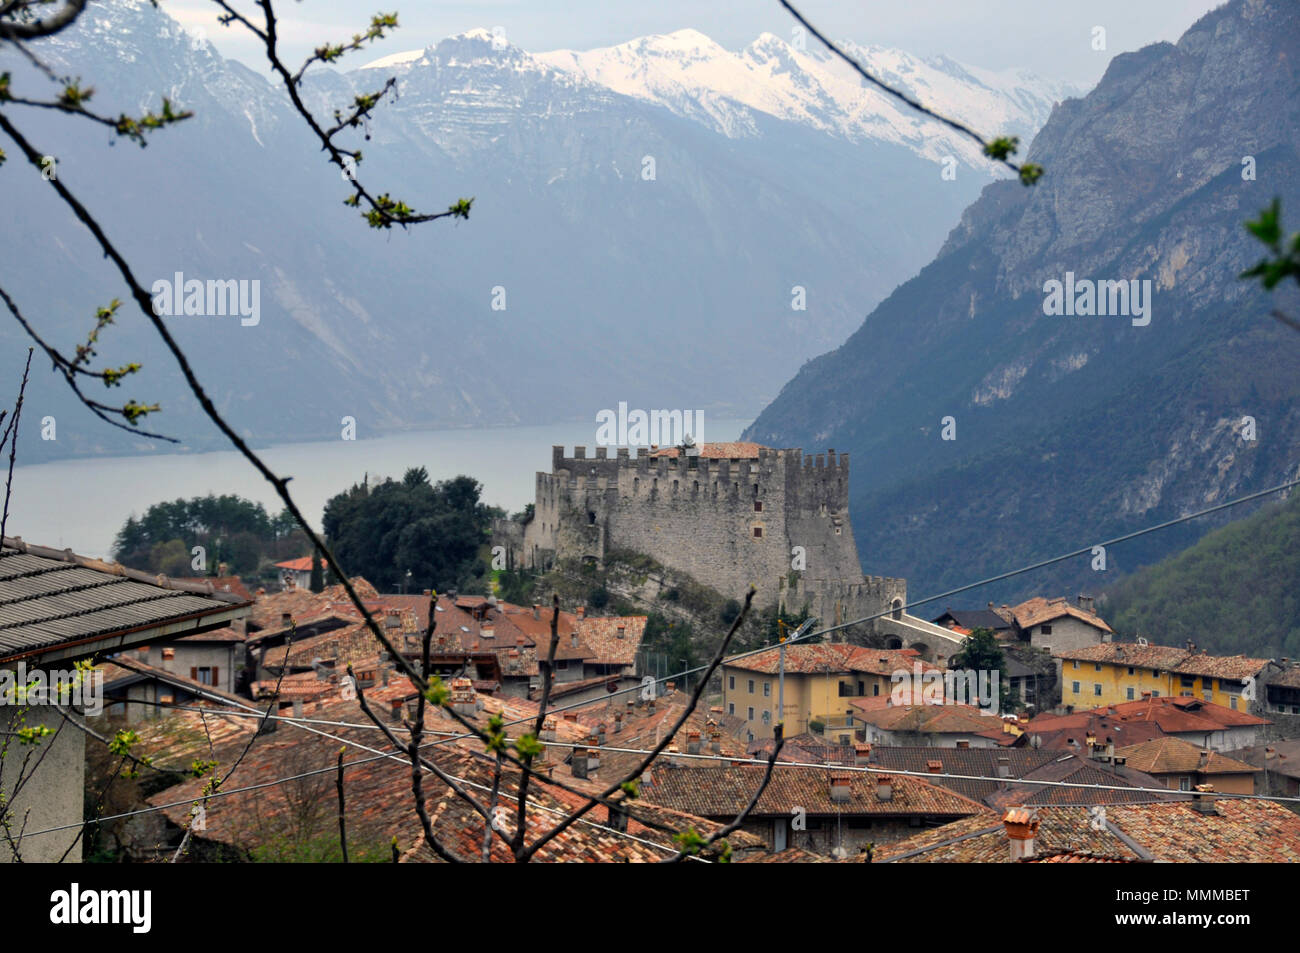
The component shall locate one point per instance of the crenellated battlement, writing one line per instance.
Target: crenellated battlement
(731, 515)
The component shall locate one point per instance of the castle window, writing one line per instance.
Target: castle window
(591, 517)
(837, 531)
(758, 506)
(674, 486)
(758, 532)
(756, 489)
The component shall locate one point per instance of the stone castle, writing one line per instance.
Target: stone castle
(728, 514)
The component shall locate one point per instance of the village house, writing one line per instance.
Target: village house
(1197, 722)
(820, 681)
(1055, 625)
(823, 811)
(1277, 764)
(878, 722)
(1114, 672)
(136, 691)
(57, 609)
(295, 573)
(1184, 767)
(966, 621)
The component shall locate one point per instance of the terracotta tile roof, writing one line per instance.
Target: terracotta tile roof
(1237, 831)
(296, 565)
(1074, 769)
(234, 585)
(641, 727)
(831, 658)
(602, 636)
(979, 765)
(1077, 857)
(723, 791)
(959, 719)
(214, 635)
(1287, 678)
(1168, 755)
(735, 449)
(1169, 715)
(1038, 610)
(1167, 658)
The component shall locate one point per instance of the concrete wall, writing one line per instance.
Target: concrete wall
(191, 655)
(52, 794)
(1067, 633)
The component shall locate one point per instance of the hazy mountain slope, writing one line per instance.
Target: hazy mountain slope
(672, 292)
(1234, 591)
(1072, 430)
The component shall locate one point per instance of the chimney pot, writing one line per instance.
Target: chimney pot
(841, 788)
(1022, 828)
(884, 788)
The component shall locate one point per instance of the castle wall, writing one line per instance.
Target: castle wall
(699, 516)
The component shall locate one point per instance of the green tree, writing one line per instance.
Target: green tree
(982, 653)
(432, 531)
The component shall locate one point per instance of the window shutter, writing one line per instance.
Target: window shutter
(194, 673)
(216, 677)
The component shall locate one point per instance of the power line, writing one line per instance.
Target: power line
(834, 628)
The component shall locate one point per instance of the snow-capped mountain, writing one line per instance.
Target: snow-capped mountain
(670, 224)
(696, 78)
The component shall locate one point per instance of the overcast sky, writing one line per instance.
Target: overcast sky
(1052, 38)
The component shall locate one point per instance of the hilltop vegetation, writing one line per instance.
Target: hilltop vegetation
(1234, 591)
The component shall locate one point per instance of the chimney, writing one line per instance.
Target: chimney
(582, 612)
(395, 709)
(622, 632)
(693, 742)
(1205, 759)
(884, 788)
(600, 733)
(934, 767)
(1004, 766)
(840, 788)
(670, 687)
(593, 757)
(715, 742)
(427, 592)
(579, 764)
(990, 607)
(464, 700)
(223, 569)
(1085, 602)
(1022, 827)
(297, 708)
(573, 638)
(1203, 800)
(537, 611)
(548, 729)
(286, 619)
(861, 754)
(618, 722)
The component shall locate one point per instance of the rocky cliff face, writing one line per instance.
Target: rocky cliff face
(1071, 428)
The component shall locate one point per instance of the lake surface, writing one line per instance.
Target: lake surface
(81, 504)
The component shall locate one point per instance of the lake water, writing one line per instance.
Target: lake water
(81, 504)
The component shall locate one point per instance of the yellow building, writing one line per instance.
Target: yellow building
(1115, 672)
(820, 680)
